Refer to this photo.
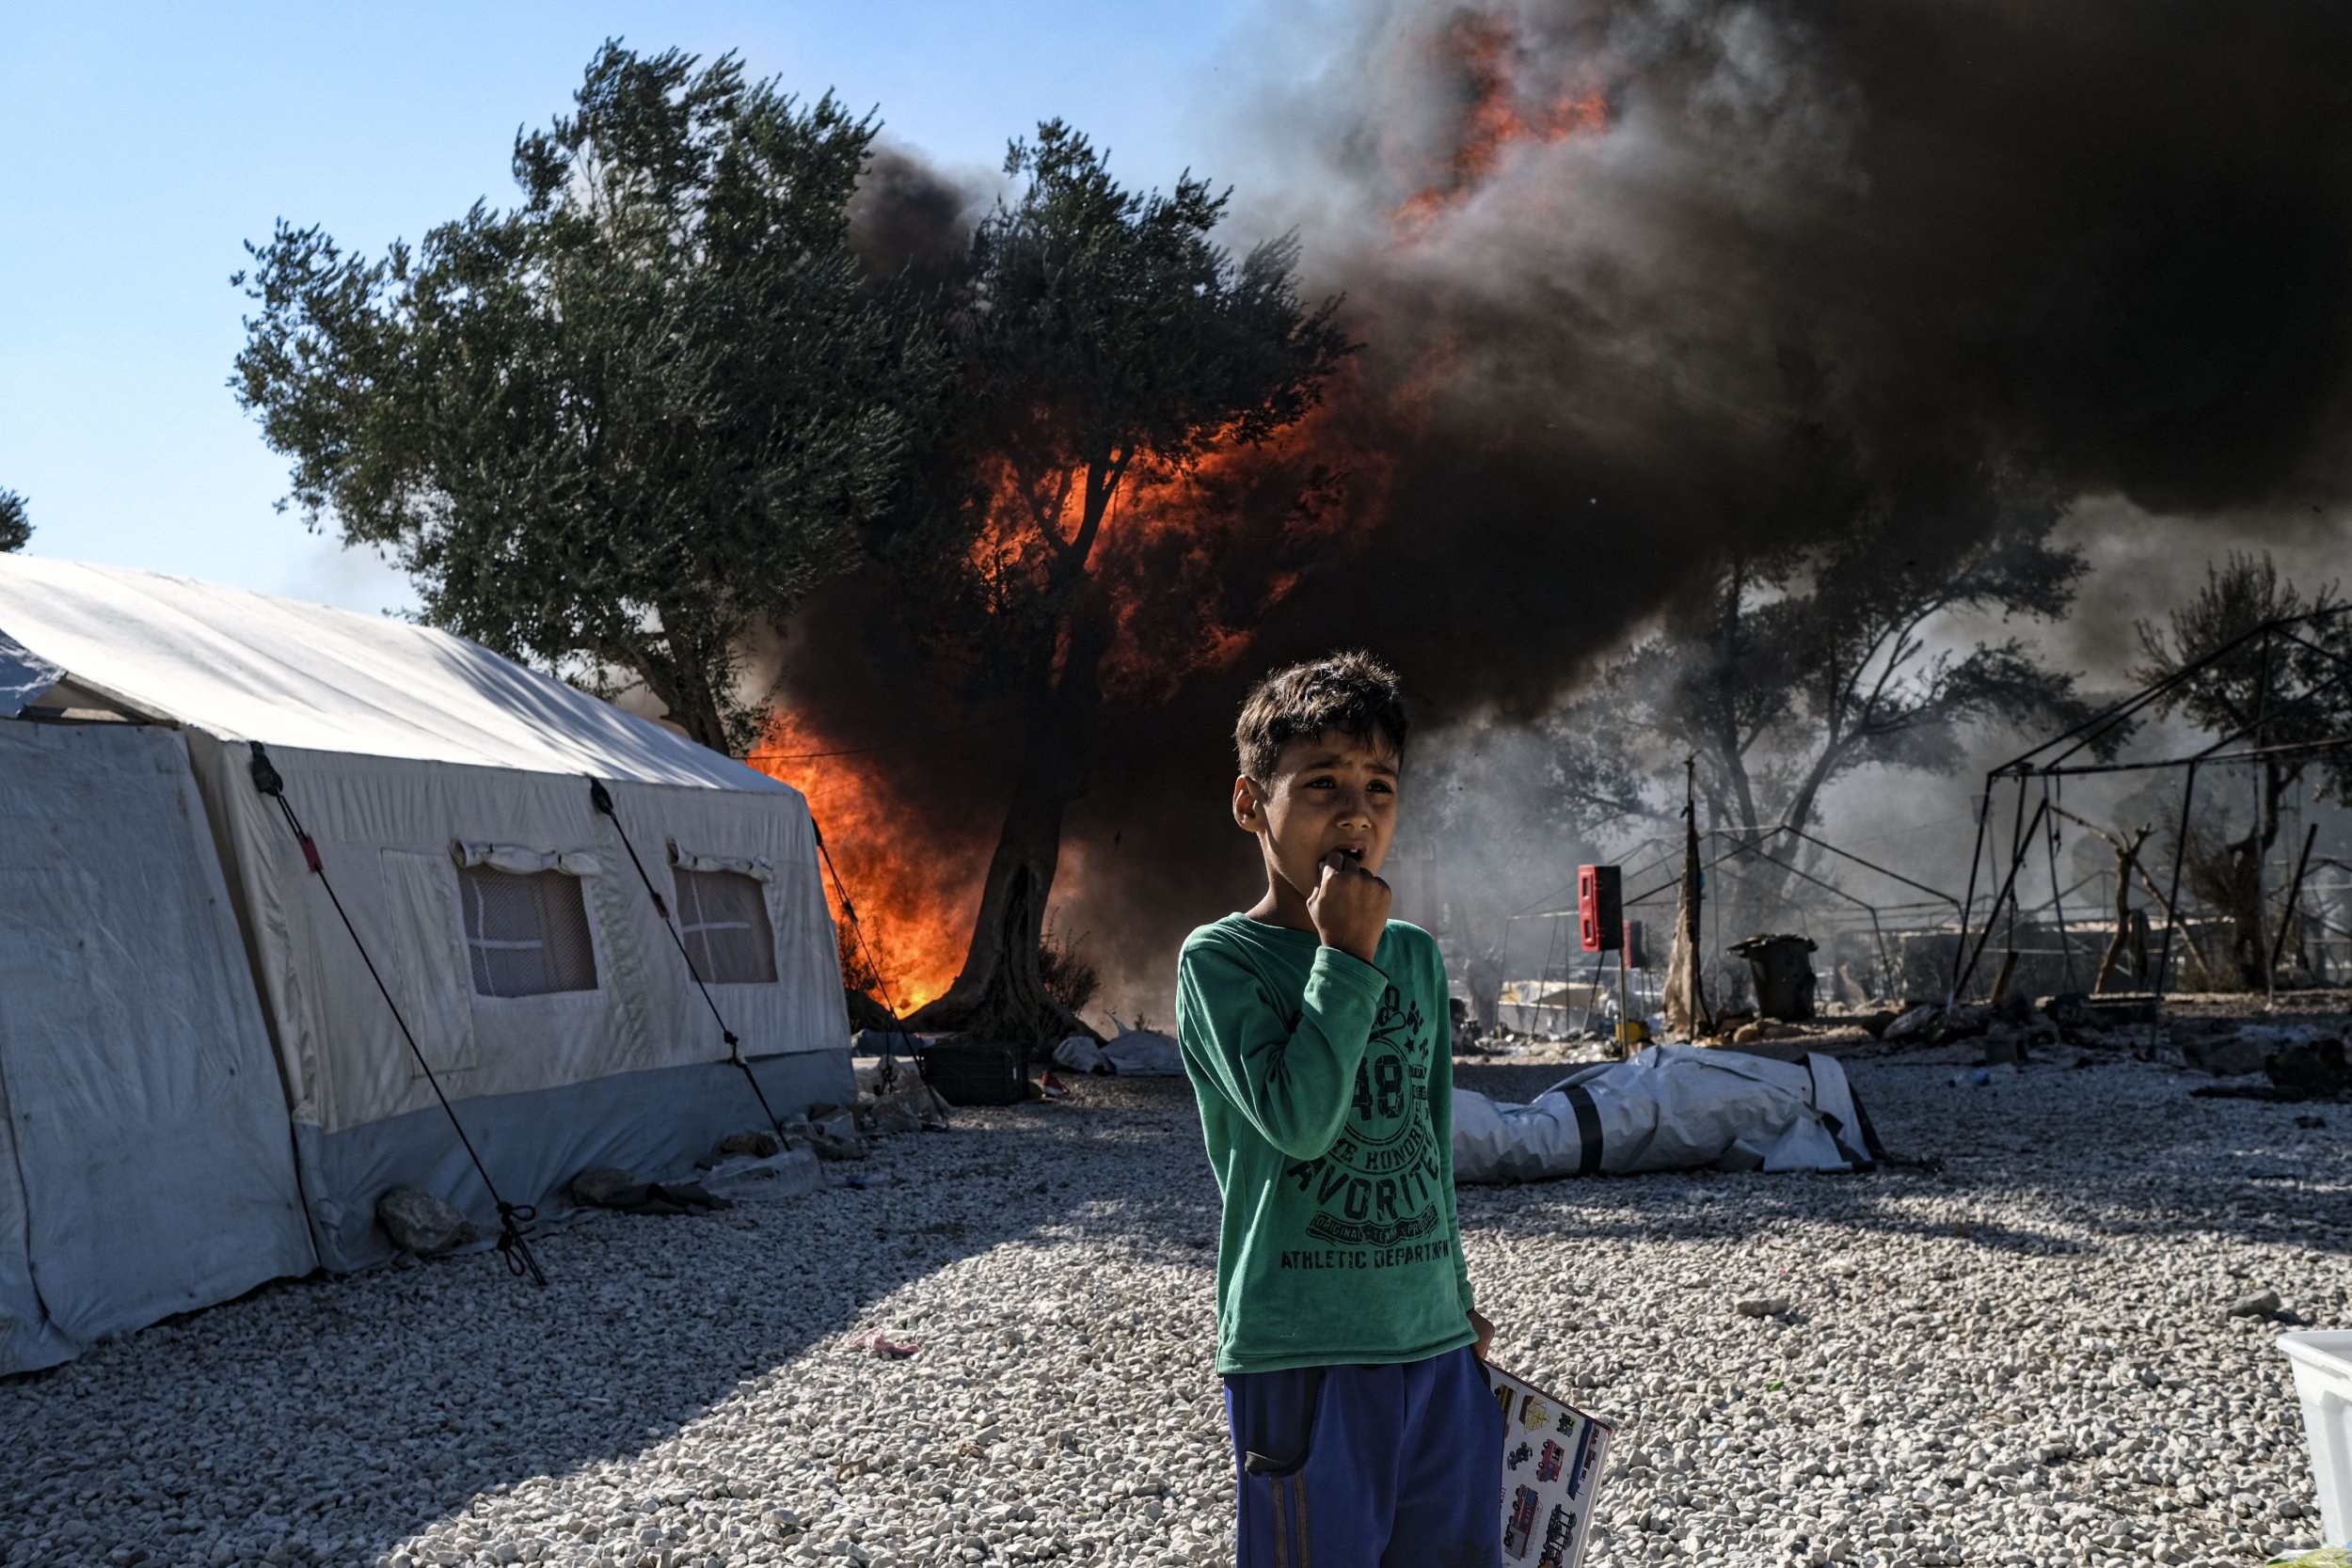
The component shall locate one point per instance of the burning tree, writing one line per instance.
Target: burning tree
(624, 426)
(1111, 344)
(16, 524)
(1794, 669)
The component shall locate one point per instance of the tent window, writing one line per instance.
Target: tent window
(526, 935)
(724, 918)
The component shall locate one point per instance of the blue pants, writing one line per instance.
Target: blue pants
(1399, 1467)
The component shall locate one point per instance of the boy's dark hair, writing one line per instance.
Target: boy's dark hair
(1352, 692)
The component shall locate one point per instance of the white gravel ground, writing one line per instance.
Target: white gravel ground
(2023, 1359)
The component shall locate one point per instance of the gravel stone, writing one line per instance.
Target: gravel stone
(2013, 1360)
(2262, 1304)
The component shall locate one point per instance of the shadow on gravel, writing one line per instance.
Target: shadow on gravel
(332, 1419)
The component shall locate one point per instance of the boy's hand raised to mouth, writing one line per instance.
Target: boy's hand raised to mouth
(1349, 907)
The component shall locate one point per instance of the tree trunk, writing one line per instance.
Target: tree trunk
(1686, 994)
(2127, 858)
(686, 697)
(1001, 992)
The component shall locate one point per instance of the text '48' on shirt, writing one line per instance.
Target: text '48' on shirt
(1327, 1101)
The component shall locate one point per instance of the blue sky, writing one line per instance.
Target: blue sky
(141, 145)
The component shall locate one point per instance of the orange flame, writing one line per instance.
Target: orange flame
(1190, 556)
(915, 902)
(1497, 120)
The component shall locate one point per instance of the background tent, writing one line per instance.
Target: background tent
(145, 1163)
(447, 791)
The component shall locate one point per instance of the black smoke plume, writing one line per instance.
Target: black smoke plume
(1626, 270)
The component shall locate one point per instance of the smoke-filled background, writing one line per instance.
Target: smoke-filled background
(1608, 262)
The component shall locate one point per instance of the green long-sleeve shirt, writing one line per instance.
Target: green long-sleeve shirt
(1327, 1101)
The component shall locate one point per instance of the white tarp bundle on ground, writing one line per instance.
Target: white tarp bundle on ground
(447, 790)
(145, 1164)
(1130, 1053)
(1672, 1107)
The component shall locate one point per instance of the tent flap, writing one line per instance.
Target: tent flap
(150, 1159)
(524, 862)
(759, 867)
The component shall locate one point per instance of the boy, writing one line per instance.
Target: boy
(1315, 1031)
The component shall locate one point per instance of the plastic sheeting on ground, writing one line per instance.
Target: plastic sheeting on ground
(1130, 1053)
(1672, 1107)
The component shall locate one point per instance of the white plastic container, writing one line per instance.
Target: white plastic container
(2323, 1381)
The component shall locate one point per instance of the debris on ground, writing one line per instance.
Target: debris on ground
(828, 1146)
(595, 1189)
(884, 1346)
(759, 1146)
(1128, 1053)
(1912, 1023)
(598, 1189)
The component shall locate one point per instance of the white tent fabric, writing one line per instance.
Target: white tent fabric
(405, 752)
(1672, 1107)
(384, 832)
(145, 1162)
(244, 666)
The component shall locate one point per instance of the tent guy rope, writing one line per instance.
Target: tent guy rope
(601, 799)
(512, 1245)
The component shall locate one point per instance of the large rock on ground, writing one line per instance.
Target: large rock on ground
(758, 1144)
(420, 1223)
(598, 1187)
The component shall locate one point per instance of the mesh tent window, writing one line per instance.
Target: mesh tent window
(526, 935)
(722, 917)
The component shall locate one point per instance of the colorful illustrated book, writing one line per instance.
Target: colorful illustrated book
(1552, 1458)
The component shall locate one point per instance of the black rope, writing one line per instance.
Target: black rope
(602, 800)
(513, 1246)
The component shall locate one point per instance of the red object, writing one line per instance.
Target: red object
(1599, 909)
(311, 854)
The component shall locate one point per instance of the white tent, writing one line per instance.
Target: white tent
(447, 792)
(145, 1165)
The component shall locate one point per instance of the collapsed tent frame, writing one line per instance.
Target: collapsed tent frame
(2059, 759)
(1729, 846)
